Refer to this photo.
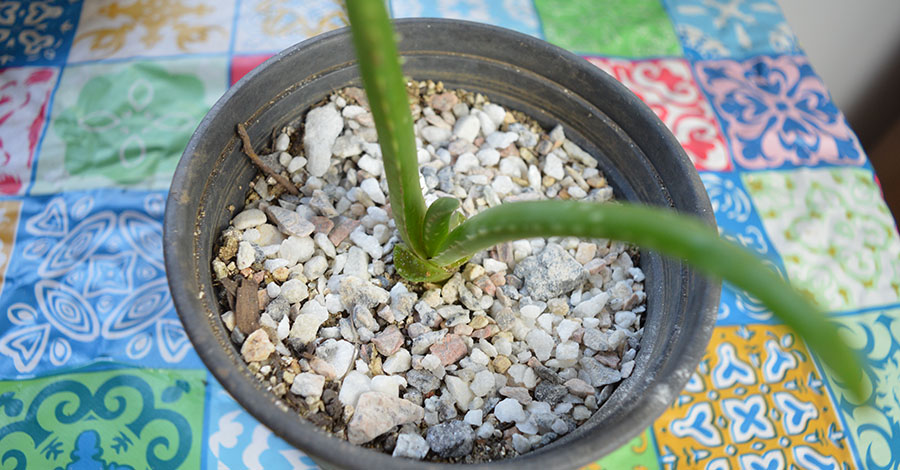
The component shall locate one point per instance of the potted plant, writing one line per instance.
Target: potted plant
(638, 154)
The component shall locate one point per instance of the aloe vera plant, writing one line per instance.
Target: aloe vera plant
(436, 239)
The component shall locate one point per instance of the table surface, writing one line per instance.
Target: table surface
(97, 101)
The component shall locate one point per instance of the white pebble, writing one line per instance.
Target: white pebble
(273, 289)
(370, 165)
(325, 245)
(501, 140)
(460, 391)
(435, 135)
(388, 385)
(565, 329)
(296, 164)
(485, 431)
(509, 410)
(495, 112)
(355, 384)
(591, 307)
(553, 167)
(479, 357)
(466, 163)
(488, 156)
(368, 243)
(282, 142)
(315, 267)
(483, 383)
(248, 219)
(397, 362)
(503, 185)
(307, 384)
(294, 290)
(576, 192)
(373, 190)
(246, 255)
(474, 417)
(466, 128)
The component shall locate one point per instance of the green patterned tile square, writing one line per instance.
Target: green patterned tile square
(873, 421)
(834, 233)
(633, 28)
(125, 419)
(125, 124)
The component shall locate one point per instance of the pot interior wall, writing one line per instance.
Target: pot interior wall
(636, 159)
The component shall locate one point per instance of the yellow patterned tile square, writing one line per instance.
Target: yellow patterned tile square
(756, 401)
(150, 28)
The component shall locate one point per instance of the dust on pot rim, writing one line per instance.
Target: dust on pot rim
(640, 157)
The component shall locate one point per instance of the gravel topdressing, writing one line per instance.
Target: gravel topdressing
(518, 348)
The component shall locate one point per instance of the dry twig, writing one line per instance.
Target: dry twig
(248, 149)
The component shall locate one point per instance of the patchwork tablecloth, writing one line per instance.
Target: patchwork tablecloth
(98, 98)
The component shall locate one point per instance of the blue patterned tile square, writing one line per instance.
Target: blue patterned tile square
(37, 32)
(739, 222)
(519, 15)
(86, 282)
(714, 29)
(235, 439)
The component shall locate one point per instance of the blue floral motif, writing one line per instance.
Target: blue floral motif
(713, 29)
(237, 440)
(777, 113)
(739, 222)
(87, 281)
(519, 15)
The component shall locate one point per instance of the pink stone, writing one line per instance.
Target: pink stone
(498, 279)
(484, 283)
(485, 332)
(342, 230)
(257, 346)
(388, 341)
(449, 349)
(463, 330)
(322, 224)
(377, 413)
(443, 101)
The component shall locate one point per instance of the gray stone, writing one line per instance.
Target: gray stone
(355, 291)
(411, 446)
(549, 392)
(290, 222)
(551, 273)
(598, 373)
(422, 381)
(278, 308)
(453, 439)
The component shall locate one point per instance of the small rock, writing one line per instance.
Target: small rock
(323, 126)
(367, 243)
(460, 391)
(591, 307)
(338, 354)
(452, 439)
(411, 446)
(290, 222)
(550, 393)
(520, 443)
(257, 346)
(307, 323)
(551, 273)
(246, 255)
(297, 249)
(465, 163)
(443, 101)
(541, 343)
(449, 349)
(248, 219)
(482, 384)
(398, 362)
(466, 128)
(509, 410)
(372, 189)
(434, 135)
(553, 167)
(354, 290)
(422, 381)
(520, 394)
(388, 341)
(294, 291)
(599, 374)
(308, 385)
(377, 413)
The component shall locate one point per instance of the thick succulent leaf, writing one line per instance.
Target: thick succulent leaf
(383, 80)
(417, 269)
(671, 234)
(438, 219)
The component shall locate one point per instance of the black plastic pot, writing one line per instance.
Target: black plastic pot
(639, 156)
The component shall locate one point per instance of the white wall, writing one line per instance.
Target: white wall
(852, 45)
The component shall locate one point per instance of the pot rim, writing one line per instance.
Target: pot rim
(320, 446)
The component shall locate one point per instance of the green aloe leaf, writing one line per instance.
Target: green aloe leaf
(671, 234)
(438, 220)
(417, 269)
(384, 84)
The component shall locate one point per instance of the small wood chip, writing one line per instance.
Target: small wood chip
(248, 149)
(246, 309)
